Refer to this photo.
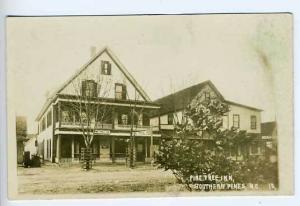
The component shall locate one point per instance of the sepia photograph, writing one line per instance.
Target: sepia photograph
(150, 105)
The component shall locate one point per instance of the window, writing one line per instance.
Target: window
(43, 123)
(170, 119)
(89, 88)
(124, 119)
(253, 122)
(120, 91)
(255, 149)
(236, 121)
(49, 118)
(140, 119)
(146, 120)
(225, 122)
(105, 68)
(65, 116)
(207, 95)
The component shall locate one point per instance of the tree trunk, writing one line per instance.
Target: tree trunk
(86, 158)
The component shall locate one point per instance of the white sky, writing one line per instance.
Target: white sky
(238, 53)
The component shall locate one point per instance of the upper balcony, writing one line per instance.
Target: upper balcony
(106, 126)
(136, 127)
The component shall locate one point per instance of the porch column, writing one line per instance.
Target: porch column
(146, 149)
(58, 147)
(59, 114)
(52, 149)
(113, 157)
(73, 149)
(151, 146)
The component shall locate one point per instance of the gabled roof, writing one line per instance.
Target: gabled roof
(267, 128)
(242, 105)
(119, 65)
(180, 99)
(85, 66)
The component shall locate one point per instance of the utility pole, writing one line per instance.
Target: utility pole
(131, 157)
(132, 139)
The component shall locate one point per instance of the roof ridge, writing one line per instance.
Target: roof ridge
(187, 88)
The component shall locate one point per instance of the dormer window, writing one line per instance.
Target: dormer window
(89, 88)
(105, 68)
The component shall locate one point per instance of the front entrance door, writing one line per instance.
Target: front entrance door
(140, 150)
(66, 148)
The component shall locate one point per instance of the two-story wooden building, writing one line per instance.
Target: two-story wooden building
(63, 118)
(240, 116)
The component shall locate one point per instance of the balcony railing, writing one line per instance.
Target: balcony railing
(135, 127)
(99, 125)
(167, 126)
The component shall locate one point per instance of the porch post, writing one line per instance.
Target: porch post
(58, 147)
(73, 148)
(59, 114)
(146, 147)
(52, 149)
(113, 149)
(151, 146)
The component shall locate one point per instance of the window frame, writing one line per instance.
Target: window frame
(44, 124)
(121, 95)
(207, 95)
(170, 119)
(89, 88)
(253, 124)
(234, 121)
(124, 119)
(49, 118)
(105, 71)
(226, 116)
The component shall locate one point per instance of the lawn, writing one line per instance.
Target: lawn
(70, 179)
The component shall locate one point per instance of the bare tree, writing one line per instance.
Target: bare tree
(89, 108)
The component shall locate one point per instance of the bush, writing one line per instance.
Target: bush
(200, 146)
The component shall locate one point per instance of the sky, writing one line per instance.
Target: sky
(240, 54)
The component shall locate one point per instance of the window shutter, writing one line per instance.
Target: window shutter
(83, 88)
(108, 68)
(94, 89)
(123, 91)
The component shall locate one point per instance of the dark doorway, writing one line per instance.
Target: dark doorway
(140, 150)
(66, 148)
(120, 147)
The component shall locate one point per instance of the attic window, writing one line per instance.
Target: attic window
(207, 95)
(105, 68)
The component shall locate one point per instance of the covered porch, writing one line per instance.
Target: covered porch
(105, 148)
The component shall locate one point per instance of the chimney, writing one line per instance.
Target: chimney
(93, 51)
